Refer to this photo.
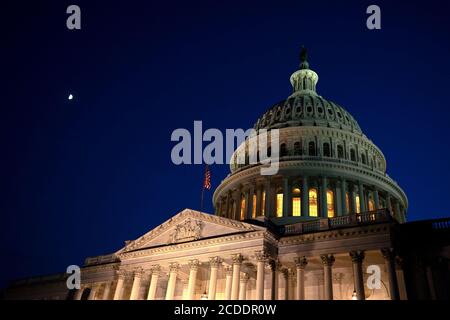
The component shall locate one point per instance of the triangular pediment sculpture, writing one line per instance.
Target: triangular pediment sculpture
(189, 225)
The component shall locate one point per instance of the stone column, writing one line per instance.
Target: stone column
(362, 201)
(155, 269)
(357, 259)
(376, 199)
(389, 204)
(237, 208)
(327, 261)
(92, 293)
(135, 289)
(398, 214)
(258, 200)
(228, 282)
(323, 199)
(300, 264)
(344, 210)
(121, 274)
(106, 291)
(273, 280)
(173, 272)
(353, 199)
(287, 202)
(243, 286)
(237, 261)
(78, 294)
(305, 197)
(249, 203)
(284, 277)
(389, 256)
(193, 268)
(227, 205)
(400, 264)
(261, 258)
(214, 264)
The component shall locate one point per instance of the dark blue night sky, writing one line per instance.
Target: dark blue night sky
(79, 177)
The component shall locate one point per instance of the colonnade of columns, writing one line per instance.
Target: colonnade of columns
(237, 278)
(258, 198)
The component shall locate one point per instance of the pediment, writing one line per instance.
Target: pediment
(189, 225)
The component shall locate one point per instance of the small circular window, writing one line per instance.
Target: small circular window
(320, 109)
(330, 112)
(309, 109)
(339, 114)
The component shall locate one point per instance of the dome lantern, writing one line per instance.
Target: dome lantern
(304, 81)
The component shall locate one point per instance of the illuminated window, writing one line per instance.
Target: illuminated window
(330, 204)
(313, 202)
(347, 202)
(358, 207)
(296, 203)
(279, 204)
(371, 204)
(263, 204)
(254, 207)
(242, 208)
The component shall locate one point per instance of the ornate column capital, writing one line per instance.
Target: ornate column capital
(174, 267)
(215, 262)
(261, 256)
(138, 272)
(327, 259)
(237, 258)
(122, 274)
(357, 256)
(193, 264)
(244, 277)
(301, 262)
(155, 269)
(229, 270)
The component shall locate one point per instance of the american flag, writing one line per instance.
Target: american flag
(207, 181)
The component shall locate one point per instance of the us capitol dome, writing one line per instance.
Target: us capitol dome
(328, 168)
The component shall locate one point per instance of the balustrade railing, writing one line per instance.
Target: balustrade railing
(377, 216)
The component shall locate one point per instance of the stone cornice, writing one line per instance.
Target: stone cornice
(346, 233)
(193, 245)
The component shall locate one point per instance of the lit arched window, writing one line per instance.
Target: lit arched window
(279, 203)
(340, 151)
(358, 205)
(242, 208)
(313, 202)
(371, 204)
(296, 203)
(283, 150)
(352, 155)
(297, 149)
(312, 149)
(330, 203)
(326, 150)
(254, 206)
(263, 203)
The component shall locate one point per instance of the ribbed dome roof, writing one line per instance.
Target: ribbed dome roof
(307, 110)
(305, 107)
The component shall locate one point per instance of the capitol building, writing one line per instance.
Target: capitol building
(329, 222)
